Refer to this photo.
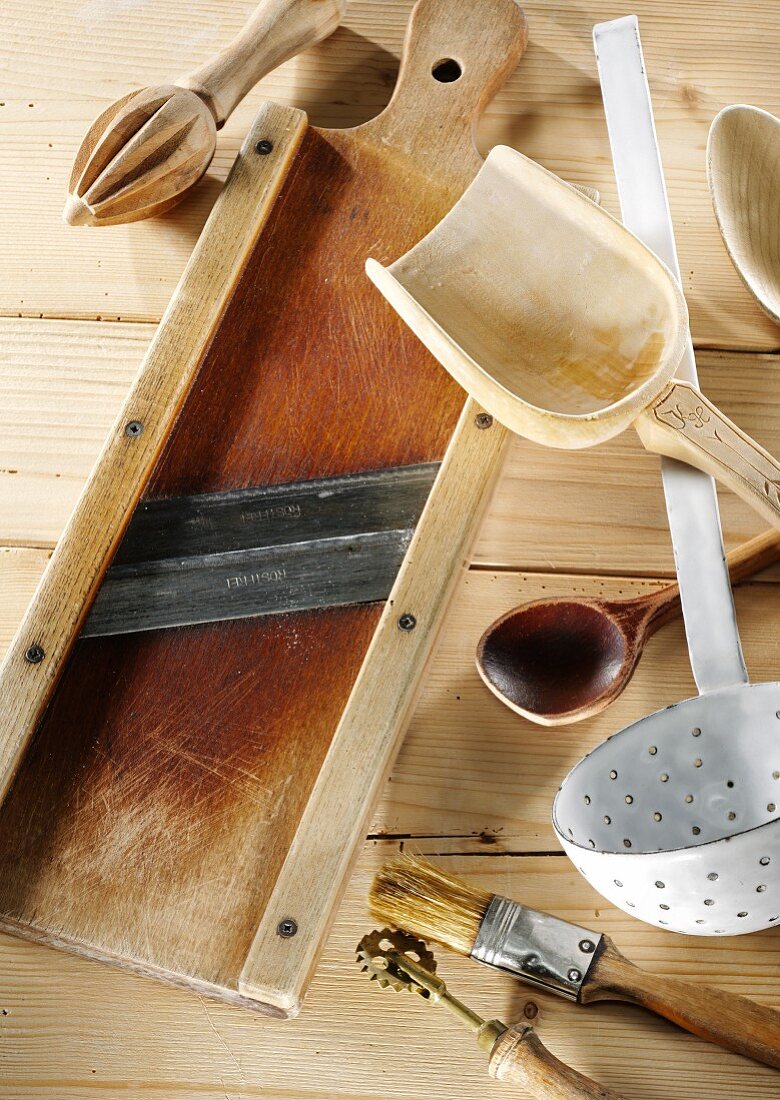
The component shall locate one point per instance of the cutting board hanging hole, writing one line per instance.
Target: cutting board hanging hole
(447, 70)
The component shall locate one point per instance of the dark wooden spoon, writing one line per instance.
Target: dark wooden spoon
(561, 660)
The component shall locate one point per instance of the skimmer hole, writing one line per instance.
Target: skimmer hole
(696, 732)
(713, 876)
(607, 819)
(689, 798)
(587, 800)
(657, 816)
(765, 861)
(663, 905)
(771, 807)
(652, 750)
(742, 914)
(731, 815)
(709, 901)
(617, 882)
(613, 774)
(760, 889)
(695, 830)
(629, 799)
(697, 762)
(626, 842)
(729, 783)
(664, 777)
(660, 885)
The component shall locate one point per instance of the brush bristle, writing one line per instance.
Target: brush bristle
(414, 894)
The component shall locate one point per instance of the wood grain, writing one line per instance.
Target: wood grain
(69, 1017)
(699, 58)
(736, 1023)
(135, 440)
(76, 1029)
(274, 401)
(62, 384)
(521, 1058)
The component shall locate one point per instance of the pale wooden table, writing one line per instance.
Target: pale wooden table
(473, 783)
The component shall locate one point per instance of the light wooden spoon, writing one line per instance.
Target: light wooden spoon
(564, 326)
(558, 661)
(144, 152)
(743, 168)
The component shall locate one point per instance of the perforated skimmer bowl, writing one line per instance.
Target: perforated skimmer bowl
(675, 819)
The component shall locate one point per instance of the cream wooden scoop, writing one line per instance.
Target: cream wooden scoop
(743, 168)
(144, 152)
(564, 326)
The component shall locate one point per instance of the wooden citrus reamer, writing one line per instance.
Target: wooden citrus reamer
(142, 154)
(564, 326)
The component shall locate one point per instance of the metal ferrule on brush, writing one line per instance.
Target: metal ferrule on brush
(536, 947)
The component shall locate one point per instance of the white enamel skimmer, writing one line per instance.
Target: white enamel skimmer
(675, 819)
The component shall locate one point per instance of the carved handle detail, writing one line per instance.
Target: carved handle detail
(683, 424)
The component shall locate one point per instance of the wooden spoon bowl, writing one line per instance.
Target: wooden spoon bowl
(743, 167)
(558, 661)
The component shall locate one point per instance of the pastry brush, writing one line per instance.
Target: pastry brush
(574, 962)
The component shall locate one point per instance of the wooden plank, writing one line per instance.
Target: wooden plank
(66, 61)
(72, 1028)
(20, 571)
(600, 510)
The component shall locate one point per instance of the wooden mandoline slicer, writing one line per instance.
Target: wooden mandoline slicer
(190, 753)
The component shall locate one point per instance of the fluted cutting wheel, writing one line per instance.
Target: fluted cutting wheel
(374, 959)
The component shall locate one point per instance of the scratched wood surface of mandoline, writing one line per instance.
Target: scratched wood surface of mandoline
(174, 770)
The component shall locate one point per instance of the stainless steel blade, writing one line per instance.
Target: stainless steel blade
(295, 547)
(691, 501)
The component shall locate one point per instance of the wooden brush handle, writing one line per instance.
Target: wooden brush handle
(727, 1019)
(519, 1056)
(683, 424)
(277, 30)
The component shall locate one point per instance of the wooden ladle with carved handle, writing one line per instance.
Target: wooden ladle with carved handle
(144, 152)
(557, 661)
(564, 326)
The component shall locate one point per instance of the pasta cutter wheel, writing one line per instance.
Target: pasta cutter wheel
(377, 954)
(514, 1053)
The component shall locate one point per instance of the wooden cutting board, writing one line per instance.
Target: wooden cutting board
(175, 796)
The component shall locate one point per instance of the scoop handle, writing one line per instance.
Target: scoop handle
(727, 1019)
(276, 31)
(519, 1056)
(683, 424)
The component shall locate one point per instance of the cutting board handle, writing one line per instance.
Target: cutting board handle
(455, 57)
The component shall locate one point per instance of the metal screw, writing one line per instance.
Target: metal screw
(588, 946)
(34, 654)
(407, 622)
(287, 928)
(264, 147)
(530, 1010)
(134, 428)
(483, 420)
(574, 975)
